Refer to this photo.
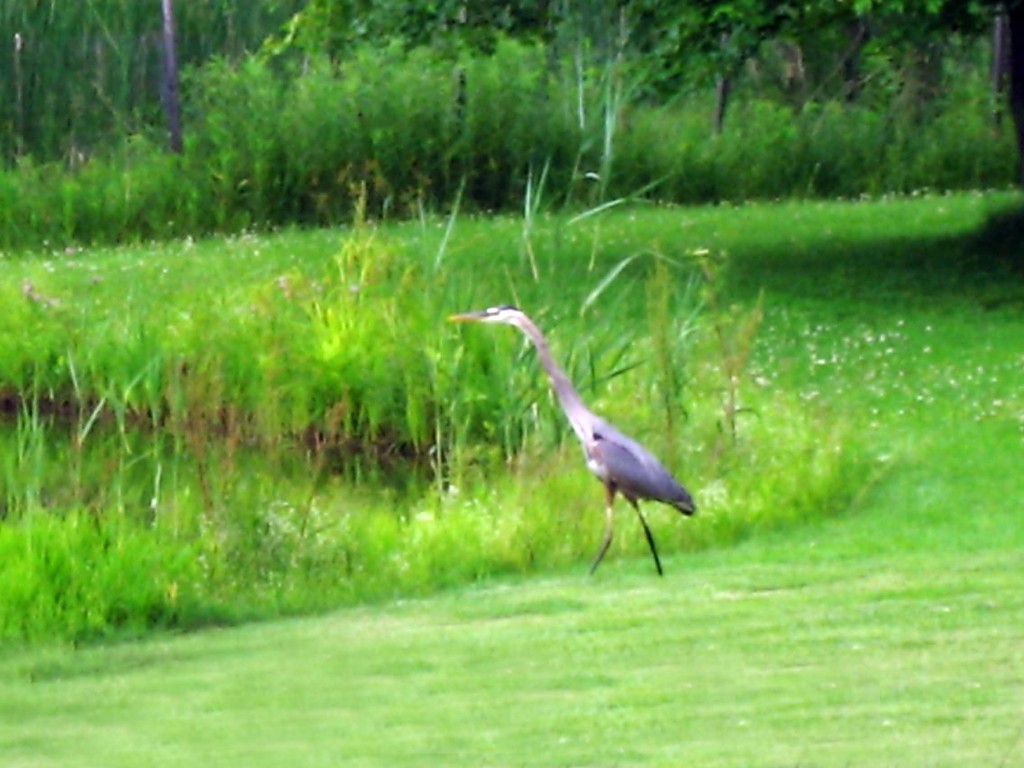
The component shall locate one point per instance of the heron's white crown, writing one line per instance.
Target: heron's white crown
(504, 313)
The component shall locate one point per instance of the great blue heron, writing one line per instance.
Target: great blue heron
(620, 463)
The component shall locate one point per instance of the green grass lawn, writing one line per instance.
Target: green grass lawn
(800, 650)
(891, 635)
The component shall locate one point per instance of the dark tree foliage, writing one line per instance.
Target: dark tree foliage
(923, 18)
(1016, 24)
(335, 26)
(673, 41)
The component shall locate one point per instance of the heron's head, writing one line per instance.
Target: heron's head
(505, 314)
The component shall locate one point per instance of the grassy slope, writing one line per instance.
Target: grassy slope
(762, 656)
(891, 636)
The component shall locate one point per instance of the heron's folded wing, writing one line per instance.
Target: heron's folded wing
(635, 471)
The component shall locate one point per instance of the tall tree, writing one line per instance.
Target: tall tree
(1015, 20)
(169, 83)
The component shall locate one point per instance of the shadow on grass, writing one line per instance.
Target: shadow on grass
(1000, 240)
(984, 267)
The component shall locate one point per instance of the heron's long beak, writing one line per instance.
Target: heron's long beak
(467, 317)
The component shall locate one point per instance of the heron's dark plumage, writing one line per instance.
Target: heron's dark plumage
(635, 472)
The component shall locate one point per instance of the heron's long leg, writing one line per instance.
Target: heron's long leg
(648, 534)
(609, 495)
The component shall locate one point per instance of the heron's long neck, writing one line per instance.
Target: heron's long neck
(566, 392)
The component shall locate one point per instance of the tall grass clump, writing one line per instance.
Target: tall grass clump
(75, 83)
(81, 576)
(411, 128)
(768, 151)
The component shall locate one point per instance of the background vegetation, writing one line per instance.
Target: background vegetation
(77, 79)
(577, 110)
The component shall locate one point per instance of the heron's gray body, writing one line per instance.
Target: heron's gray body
(620, 462)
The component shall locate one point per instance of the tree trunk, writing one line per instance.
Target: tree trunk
(857, 31)
(723, 84)
(19, 98)
(1000, 64)
(171, 96)
(1016, 22)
